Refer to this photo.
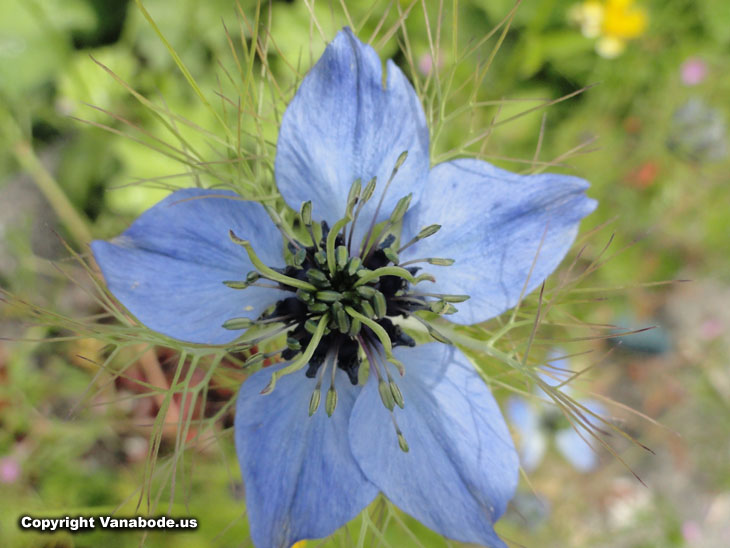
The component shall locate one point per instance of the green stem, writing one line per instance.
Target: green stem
(71, 219)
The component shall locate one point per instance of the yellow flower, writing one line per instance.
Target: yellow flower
(612, 22)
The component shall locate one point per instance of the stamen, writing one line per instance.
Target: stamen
(386, 396)
(449, 298)
(430, 260)
(341, 256)
(353, 265)
(441, 307)
(364, 198)
(425, 232)
(395, 392)
(401, 438)
(353, 196)
(302, 360)
(398, 163)
(382, 336)
(305, 212)
(266, 271)
(314, 399)
(317, 394)
(395, 217)
(259, 357)
(440, 337)
(233, 284)
(331, 402)
(372, 275)
(238, 323)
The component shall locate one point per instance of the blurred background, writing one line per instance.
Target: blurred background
(97, 122)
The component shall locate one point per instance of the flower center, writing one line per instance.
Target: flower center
(345, 298)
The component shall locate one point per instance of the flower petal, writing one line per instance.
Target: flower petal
(494, 225)
(532, 442)
(461, 468)
(168, 268)
(300, 476)
(343, 125)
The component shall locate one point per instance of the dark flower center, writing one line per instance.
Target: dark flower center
(346, 298)
(347, 292)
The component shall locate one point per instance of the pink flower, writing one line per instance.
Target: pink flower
(693, 71)
(9, 470)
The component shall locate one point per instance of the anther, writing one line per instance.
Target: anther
(331, 401)
(379, 304)
(305, 295)
(396, 393)
(238, 323)
(342, 256)
(355, 326)
(442, 307)
(328, 296)
(398, 163)
(299, 257)
(310, 326)
(317, 277)
(400, 209)
(367, 309)
(341, 317)
(386, 395)
(391, 255)
(402, 442)
(314, 401)
(320, 257)
(293, 344)
(381, 334)
(425, 232)
(353, 265)
(236, 285)
(318, 308)
(437, 335)
(353, 196)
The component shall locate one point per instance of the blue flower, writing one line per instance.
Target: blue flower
(537, 422)
(355, 153)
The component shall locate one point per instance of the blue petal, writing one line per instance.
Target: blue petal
(461, 469)
(301, 478)
(532, 440)
(168, 268)
(343, 125)
(493, 222)
(580, 451)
